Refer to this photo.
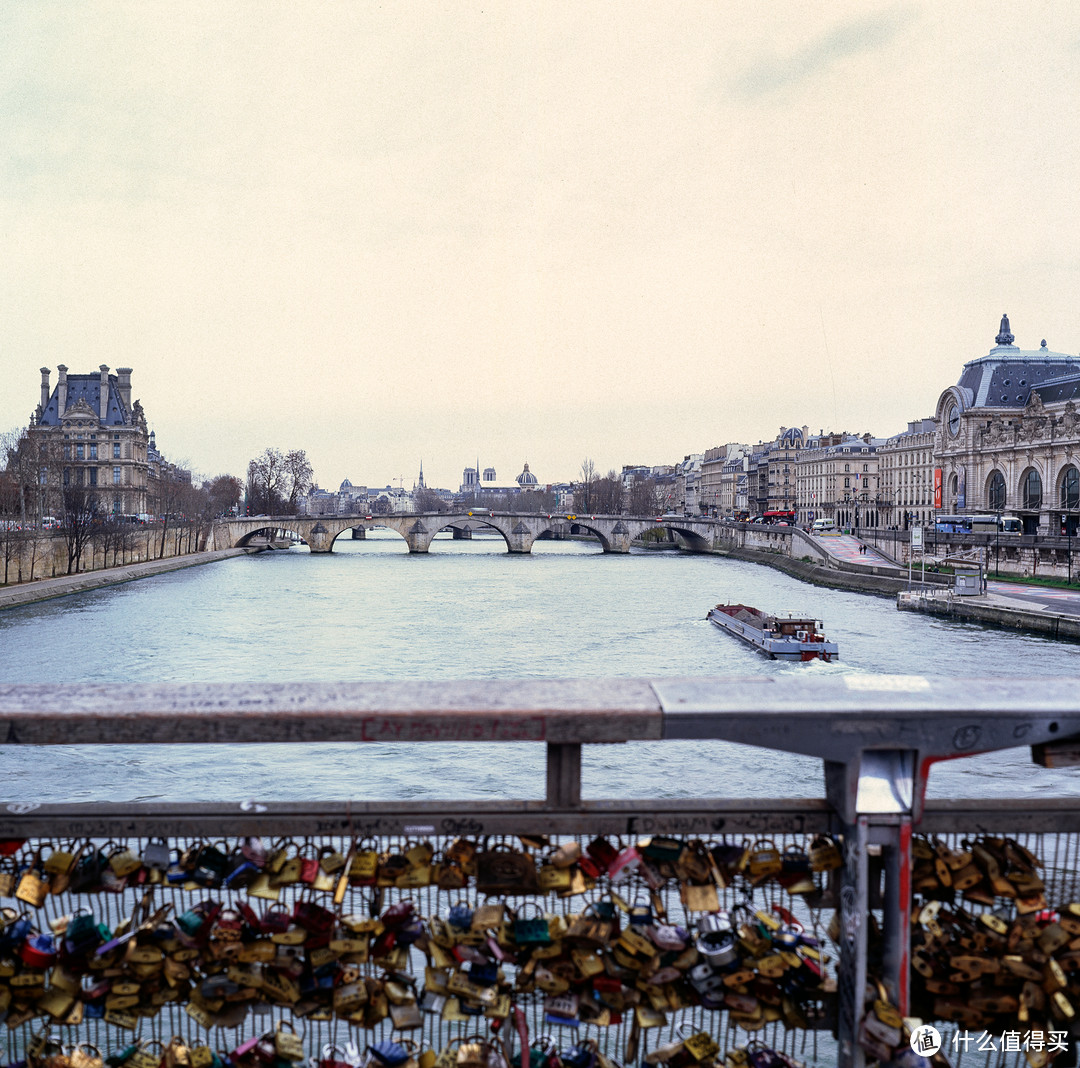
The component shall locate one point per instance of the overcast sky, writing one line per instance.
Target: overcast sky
(396, 232)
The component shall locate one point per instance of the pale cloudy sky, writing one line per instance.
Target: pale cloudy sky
(402, 231)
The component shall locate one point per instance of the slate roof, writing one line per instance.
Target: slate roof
(1006, 377)
(87, 388)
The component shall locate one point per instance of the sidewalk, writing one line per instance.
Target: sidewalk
(63, 585)
(844, 549)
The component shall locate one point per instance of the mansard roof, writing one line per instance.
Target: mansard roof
(1006, 376)
(87, 388)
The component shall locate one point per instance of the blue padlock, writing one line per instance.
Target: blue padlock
(389, 1054)
(486, 974)
(460, 916)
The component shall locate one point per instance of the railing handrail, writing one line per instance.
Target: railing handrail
(828, 718)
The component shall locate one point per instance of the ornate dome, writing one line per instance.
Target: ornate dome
(526, 478)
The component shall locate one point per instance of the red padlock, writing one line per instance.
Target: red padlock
(38, 951)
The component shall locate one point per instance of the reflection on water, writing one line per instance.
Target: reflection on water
(470, 610)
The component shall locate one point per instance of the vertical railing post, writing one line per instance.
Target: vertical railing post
(851, 973)
(874, 796)
(563, 775)
(896, 853)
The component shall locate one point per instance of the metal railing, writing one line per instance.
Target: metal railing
(877, 736)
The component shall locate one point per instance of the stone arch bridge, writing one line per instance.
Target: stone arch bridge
(519, 530)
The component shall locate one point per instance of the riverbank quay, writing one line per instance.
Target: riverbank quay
(858, 854)
(64, 585)
(995, 609)
(933, 595)
(880, 581)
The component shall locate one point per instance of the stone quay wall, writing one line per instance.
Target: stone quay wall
(29, 556)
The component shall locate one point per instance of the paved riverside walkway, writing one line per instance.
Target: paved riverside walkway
(61, 586)
(846, 547)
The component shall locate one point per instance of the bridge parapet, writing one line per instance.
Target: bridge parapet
(519, 530)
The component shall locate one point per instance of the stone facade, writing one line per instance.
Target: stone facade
(775, 471)
(838, 479)
(88, 433)
(906, 463)
(1008, 437)
(712, 465)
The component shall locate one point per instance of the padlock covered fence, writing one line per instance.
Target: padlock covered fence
(618, 930)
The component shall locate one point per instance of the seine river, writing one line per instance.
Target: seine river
(470, 610)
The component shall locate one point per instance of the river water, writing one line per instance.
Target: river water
(469, 609)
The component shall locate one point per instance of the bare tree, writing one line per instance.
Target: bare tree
(588, 481)
(427, 500)
(172, 485)
(80, 511)
(22, 469)
(267, 482)
(608, 494)
(647, 497)
(298, 478)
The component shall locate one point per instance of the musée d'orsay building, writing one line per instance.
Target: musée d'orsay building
(1008, 437)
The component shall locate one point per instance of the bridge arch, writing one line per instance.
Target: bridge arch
(579, 527)
(268, 532)
(695, 542)
(367, 527)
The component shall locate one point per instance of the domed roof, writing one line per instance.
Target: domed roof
(346, 485)
(1007, 375)
(526, 478)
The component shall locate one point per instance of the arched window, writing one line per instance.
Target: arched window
(1070, 489)
(996, 492)
(1031, 490)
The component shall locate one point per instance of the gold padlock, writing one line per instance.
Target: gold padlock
(331, 860)
(33, 885)
(824, 854)
(364, 866)
(123, 862)
(701, 1046)
(262, 888)
(700, 897)
(550, 877)
(289, 871)
(765, 860)
(287, 1044)
(57, 1003)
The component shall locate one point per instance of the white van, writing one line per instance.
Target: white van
(824, 526)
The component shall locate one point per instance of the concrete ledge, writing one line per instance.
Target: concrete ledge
(819, 575)
(996, 614)
(63, 586)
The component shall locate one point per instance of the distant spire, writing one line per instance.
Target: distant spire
(422, 474)
(1004, 337)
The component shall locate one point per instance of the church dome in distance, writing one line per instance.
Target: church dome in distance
(526, 478)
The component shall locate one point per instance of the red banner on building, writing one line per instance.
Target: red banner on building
(937, 487)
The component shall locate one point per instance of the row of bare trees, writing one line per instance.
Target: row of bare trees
(35, 496)
(606, 494)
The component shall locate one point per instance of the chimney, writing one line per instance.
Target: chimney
(103, 393)
(124, 383)
(61, 390)
(45, 391)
